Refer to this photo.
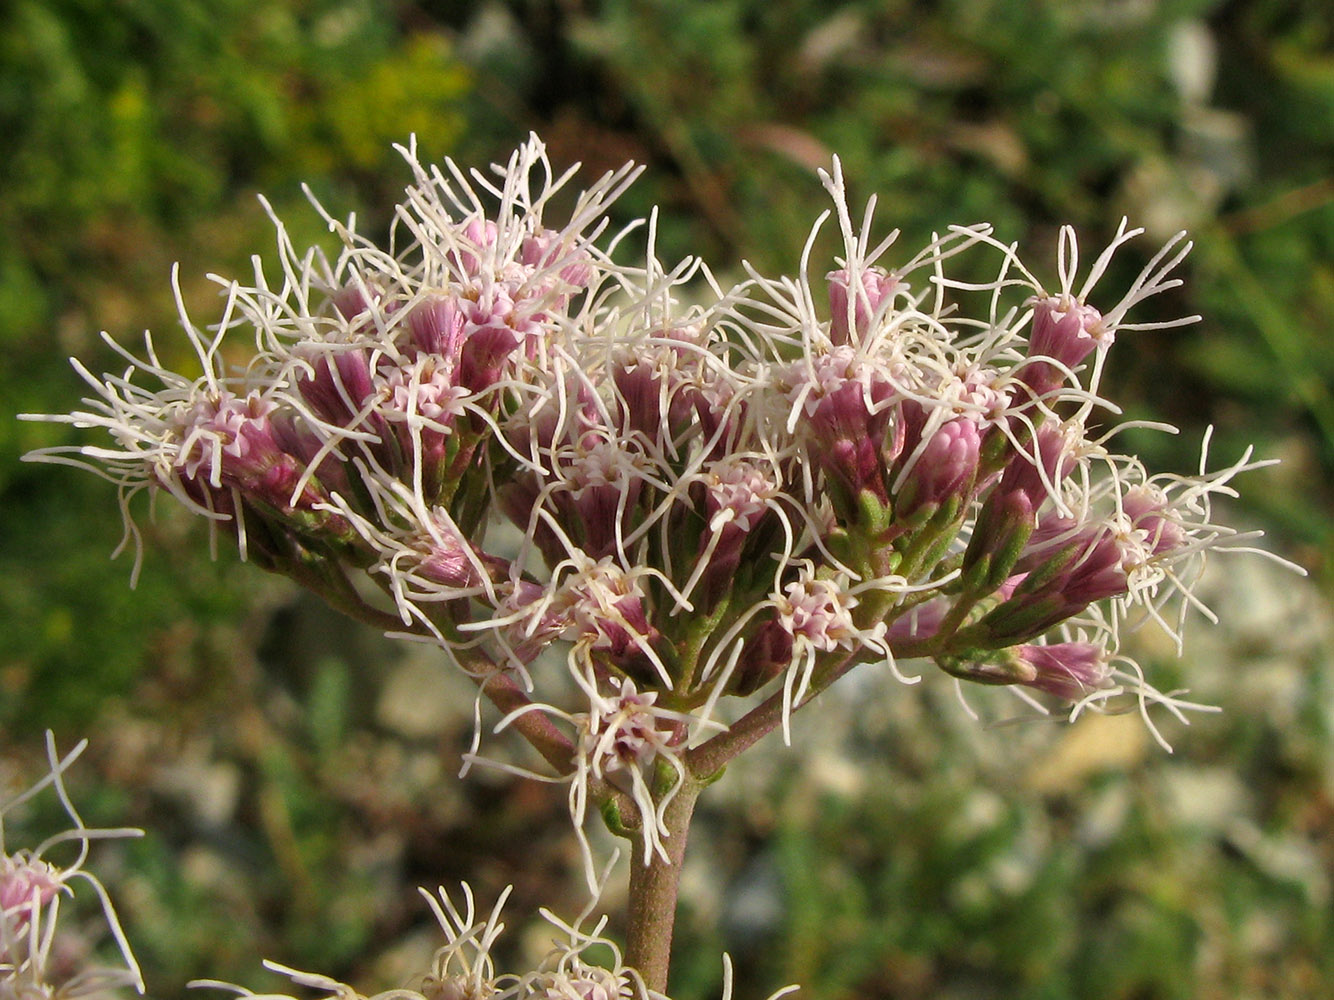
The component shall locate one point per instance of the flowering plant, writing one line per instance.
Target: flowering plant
(653, 515)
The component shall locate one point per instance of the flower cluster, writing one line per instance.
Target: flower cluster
(31, 890)
(464, 969)
(713, 499)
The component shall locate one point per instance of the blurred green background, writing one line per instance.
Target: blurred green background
(296, 774)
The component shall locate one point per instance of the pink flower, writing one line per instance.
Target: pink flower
(1068, 670)
(338, 381)
(26, 885)
(228, 443)
(1148, 509)
(860, 304)
(1064, 333)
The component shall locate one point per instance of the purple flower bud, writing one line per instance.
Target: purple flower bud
(638, 389)
(1090, 556)
(1068, 670)
(918, 624)
(1068, 567)
(449, 559)
(1036, 482)
(604, 488)
(422, 405)
(604, 608)
(544, 250)
(1009, 513)
(850, 412)
(873, 290)
(352, 302)
(737, 496)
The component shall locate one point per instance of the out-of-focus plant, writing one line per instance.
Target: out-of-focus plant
(136, 133)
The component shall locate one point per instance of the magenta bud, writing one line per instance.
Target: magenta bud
(766, 655)
(919, 623)
(338, 391)
(1067, 670)
(449, 559)
(351, 302)
(638, 389)
(484, 356)
(544, 250)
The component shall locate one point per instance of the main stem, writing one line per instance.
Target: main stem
(653, 892)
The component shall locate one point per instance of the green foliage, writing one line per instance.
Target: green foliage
(136, 134)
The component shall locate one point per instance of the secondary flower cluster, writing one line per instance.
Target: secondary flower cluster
(31, 890)
(712, 499)
(463, 968)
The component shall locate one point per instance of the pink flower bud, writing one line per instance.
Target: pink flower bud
(479, 236)
(353, 303)
(603, 608)
(1089, 557)
(544, 250)
(26, 885)
(737, 497)
(437, 325)
(919, 623)
(604, 488)
(338, 384)
(492, 331)
(1009, 511)
(421, 405)
(850, 414)
(448, 558)
(1068, 670)
(1068, 567)
(874, 289)
(1145, 506)
(944, 468)
(1064, 331)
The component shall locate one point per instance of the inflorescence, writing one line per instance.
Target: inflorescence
(708, 501)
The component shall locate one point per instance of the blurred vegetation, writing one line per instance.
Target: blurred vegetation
(289, 808)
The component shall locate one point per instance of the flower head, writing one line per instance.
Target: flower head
(31, 888)
(713, 499)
